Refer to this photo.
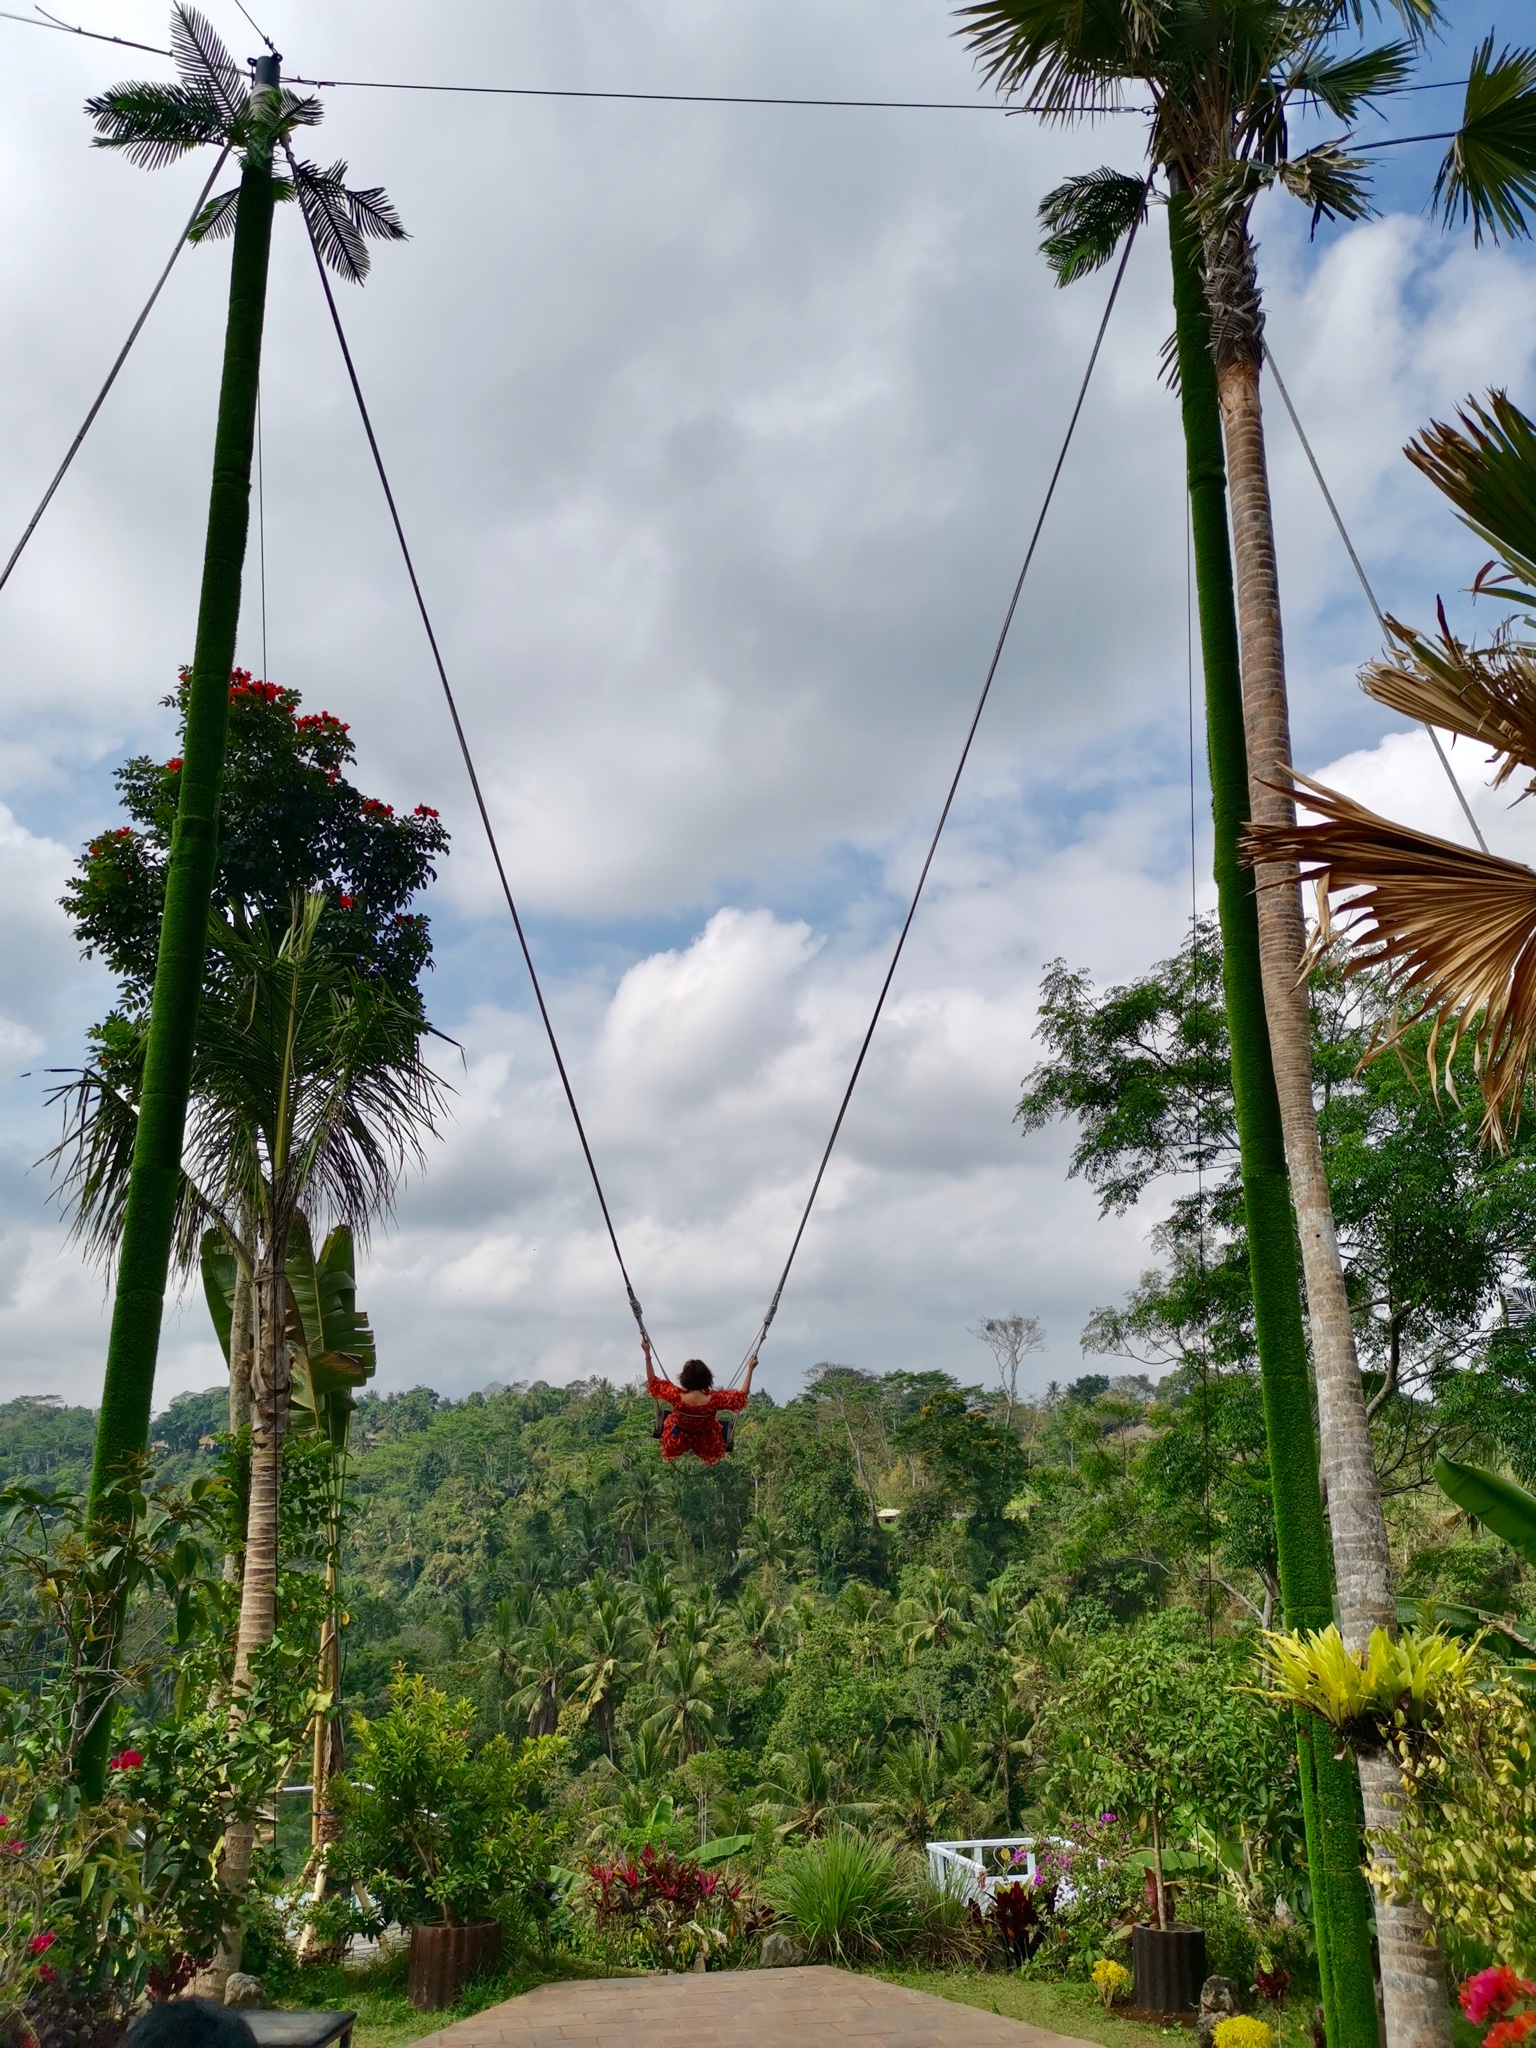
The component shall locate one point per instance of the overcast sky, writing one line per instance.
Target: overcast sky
(718, 433)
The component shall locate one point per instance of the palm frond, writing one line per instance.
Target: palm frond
(1087, 218)
(1334, 184)
(1489, 172)
(1487, 468)
(1344, 84)
(1067, 58)
(203, 61)
(217, 219)
(1484, 693)
(154, 124)
(342, 221)
(1454, 929)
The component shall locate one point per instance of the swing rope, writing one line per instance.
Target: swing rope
(1365, 583)
(474, 779)
(933, 846)
(954, 785)
(122, 356)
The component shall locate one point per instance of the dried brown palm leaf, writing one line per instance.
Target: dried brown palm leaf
(1454, 928)
(1485, 693)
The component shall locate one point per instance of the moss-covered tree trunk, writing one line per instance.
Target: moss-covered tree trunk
(1334, 1847)
(1413, 1981)
(144, 1256)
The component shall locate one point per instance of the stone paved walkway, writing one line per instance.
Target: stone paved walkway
(740, 2009)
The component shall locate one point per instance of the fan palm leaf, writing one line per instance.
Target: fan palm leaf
(1454, 928)
(1484, 693)
(1489, 172)
(1486, 466)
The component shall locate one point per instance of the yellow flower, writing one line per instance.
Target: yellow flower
(1243, 2032)
(1113, 1980)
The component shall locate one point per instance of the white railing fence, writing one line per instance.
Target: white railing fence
(963, 1867)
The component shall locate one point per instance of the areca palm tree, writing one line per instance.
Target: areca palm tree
(1223, 76)
(211, 105)
(308, 1091)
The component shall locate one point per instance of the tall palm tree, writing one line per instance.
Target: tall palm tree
(1222, 75)
(154, 124)
(686, 1690)
(609, 1646)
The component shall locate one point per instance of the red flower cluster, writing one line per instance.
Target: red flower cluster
(344, 902)
(424, 811)
(321, 721)
(125, 1760)
(39, 1943)
(174, 767)
(242, 684)
(373, 808)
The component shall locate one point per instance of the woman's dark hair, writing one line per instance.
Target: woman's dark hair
(695, 1377)
(191, 2023)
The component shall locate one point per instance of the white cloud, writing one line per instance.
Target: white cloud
(718, 434)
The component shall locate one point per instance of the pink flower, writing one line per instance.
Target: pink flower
(126, 1760)
(40, 1942)
(1491, 1993)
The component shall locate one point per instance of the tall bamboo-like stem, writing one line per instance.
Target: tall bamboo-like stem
(144, 1256)
(1341, 1902)
(1413, 1973)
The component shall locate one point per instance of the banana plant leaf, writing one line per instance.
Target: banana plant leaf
(1510, 1637)
(1498, 1503)
(331, 1342)
(329, 1338)
(721, 1848)
(219, 1268)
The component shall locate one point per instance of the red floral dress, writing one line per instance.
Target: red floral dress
(694, 1430)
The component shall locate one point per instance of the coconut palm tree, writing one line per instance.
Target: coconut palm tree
(609, 1646)
(686, 1690)
(211, 105)
(1222, 75)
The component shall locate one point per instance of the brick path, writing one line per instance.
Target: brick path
(740, 2009)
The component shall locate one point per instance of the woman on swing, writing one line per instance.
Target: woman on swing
(693, 1428)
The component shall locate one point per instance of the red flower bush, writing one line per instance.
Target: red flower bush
(126, 1760)
(40, 1943)
(1492, 1994)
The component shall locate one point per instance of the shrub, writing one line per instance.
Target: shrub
(432, 1831)
(846, 1898)
(1111, 1980)
(665, 1912)
(1243, 2031)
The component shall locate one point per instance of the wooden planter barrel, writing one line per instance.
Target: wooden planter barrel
(1168, 1964)
(443, 1959)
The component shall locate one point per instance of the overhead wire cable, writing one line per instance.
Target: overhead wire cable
(1365, 582)
(471, 771)
(954, 784)
(101, 396)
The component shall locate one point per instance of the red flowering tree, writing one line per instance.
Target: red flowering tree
(309, 1091)
(290, 823)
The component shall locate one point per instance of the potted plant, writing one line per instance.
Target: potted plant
(438, 1837)
(1153, 1731)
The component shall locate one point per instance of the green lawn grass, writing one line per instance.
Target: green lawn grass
(1064, 2008)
